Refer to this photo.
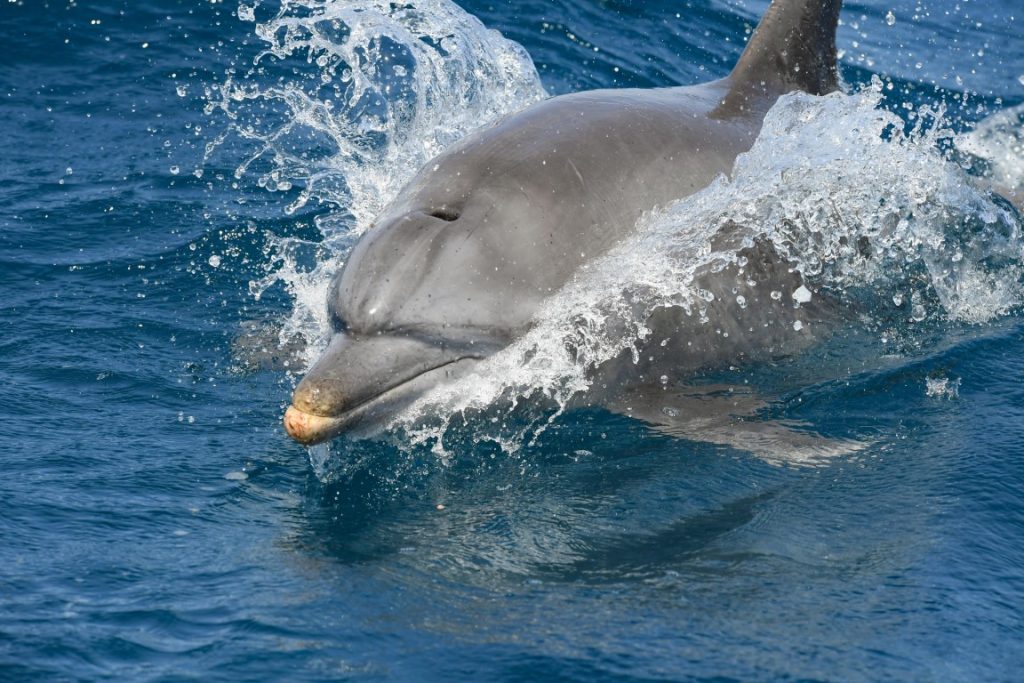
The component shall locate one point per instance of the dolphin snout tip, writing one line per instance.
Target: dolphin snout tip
(296, 423)
(309, 429)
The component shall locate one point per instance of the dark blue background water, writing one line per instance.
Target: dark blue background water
(155, 523)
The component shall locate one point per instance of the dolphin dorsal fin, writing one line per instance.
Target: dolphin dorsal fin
(793, 48)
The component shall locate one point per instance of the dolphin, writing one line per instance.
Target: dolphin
(456, 267)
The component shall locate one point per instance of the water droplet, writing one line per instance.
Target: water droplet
(670, 411)
(776, 295)
(890, 18)
(942, 387)
(181, 90)
(214, 261)
(797, 325)
(741, 300)
(897, 299)
(175, 170)
(802, 295)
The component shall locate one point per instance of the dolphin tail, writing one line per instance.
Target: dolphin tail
(793, 48)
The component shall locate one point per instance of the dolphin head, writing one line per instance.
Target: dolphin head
(423, 297)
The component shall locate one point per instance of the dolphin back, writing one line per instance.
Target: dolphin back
(793, 48)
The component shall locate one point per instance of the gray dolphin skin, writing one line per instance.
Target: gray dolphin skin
(457, 265)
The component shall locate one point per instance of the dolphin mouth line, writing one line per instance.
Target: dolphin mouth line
(311, 429)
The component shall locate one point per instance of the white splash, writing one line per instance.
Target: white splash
(942, 387)
(999, 141)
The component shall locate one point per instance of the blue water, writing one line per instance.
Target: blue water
(157, 524)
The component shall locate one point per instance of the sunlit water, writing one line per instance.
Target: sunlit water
(179, 181)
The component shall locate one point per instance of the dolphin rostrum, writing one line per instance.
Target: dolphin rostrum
(457, 265)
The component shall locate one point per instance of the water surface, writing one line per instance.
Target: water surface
(158, 525)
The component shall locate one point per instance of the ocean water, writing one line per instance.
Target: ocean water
(179, 179)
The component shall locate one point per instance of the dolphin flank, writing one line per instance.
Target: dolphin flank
(457, 265)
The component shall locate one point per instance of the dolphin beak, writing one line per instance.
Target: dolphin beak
(310, 430)
(355, 375)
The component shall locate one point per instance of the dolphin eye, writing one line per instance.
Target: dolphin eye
(444, 214)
